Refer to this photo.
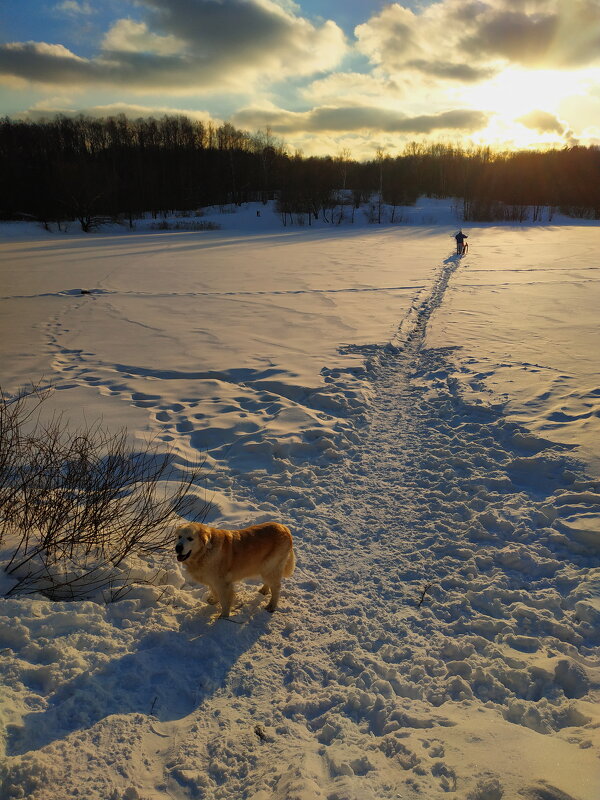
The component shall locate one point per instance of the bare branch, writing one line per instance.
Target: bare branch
(424, 591)
(75, 503)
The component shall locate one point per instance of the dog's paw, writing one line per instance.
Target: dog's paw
(211, 600)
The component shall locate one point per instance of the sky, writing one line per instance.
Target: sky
(351, 76)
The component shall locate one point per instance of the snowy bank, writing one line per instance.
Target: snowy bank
(424, 424)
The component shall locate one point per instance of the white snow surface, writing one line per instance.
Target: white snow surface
(428, 428)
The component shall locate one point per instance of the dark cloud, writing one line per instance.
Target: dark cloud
(33, 60)
(52, 64)
(462, 119)
(247, 29)
(536, 33)
(359, 118)
(464, 73)
(514, 36)
(481, 34)
(186, 45)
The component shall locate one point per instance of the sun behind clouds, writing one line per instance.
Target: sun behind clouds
(525, 105)
(505, 73)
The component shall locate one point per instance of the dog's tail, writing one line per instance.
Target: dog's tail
(290, 564)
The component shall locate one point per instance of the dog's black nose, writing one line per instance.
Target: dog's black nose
(178, 547)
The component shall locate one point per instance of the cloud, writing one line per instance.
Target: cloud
(47, 109)
(543, 122)
(358, 118)
(127, 36)
(400, 41)
(73, 8)
(448, 70)
(515, 36)
(189, 46)
(355, 87)
(23, 60)
(390, 38)
(482, 36)
(466, 120)
(549, 34)
(421, 70)
(325, 119)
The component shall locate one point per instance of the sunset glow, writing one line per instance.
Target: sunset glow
(525, 106)
(321, 76)
(515, 92)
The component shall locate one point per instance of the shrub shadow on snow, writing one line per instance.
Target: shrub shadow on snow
(169, 675)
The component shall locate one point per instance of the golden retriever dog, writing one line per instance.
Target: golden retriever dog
(217, 558)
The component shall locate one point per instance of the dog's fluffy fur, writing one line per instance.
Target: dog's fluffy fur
(217, 558)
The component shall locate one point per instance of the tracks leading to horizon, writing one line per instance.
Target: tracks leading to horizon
(435, 577)
(359, 689)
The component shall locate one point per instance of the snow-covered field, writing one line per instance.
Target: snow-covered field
(428, 428)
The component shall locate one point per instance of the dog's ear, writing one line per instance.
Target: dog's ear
(182, 530)
(204, 538)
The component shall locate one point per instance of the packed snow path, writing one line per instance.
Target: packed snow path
(435, 578)
(437, 637)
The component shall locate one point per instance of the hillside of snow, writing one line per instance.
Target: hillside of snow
(426, 425)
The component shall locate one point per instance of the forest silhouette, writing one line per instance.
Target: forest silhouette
(97, 170)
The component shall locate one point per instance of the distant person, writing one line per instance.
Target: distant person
(460, 242)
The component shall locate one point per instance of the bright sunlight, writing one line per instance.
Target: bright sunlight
(515, 93)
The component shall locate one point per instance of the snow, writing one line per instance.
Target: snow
(426, 425)
(532, 329)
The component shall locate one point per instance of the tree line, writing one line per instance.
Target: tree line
(92, 170)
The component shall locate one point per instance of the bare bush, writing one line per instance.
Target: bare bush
(164, 225)
(75, 503)
(16, 413)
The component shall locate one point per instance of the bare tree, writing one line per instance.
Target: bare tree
(381, 158)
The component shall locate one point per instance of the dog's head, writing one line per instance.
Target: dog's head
(192, 539)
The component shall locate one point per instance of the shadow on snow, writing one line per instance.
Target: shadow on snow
(169, 675)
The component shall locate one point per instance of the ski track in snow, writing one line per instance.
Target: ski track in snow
(442, 568)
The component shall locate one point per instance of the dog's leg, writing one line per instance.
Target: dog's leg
(211, 598)
(224, 592)
(264, 589)
(275, 586)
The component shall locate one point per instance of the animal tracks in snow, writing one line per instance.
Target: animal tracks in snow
(397, 471)
(445, 492)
